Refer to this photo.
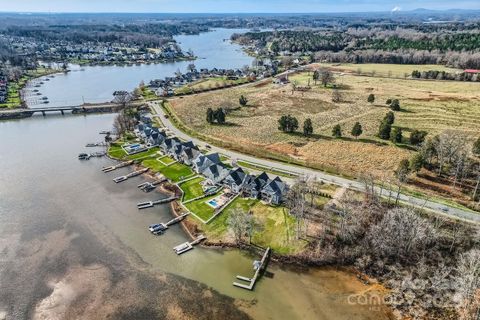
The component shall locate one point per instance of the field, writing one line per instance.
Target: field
(209, 83)
(426, 105)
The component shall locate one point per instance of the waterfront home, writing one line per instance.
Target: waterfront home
(274, 191)
(235, 180)
(204, 161)
(215, 173)
(168, 144)
(253, 185)
(188, 155)
(157, 137)
(177, 150)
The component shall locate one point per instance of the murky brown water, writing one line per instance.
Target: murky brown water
(73, 245)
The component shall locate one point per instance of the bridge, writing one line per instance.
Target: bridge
(85, 108)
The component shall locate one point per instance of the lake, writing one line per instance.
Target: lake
(73, 243)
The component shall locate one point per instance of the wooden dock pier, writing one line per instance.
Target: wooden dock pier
(118, 166)
(149, 204)
(87, 156)
(130, 175)
(149, 186)
(259, 268)
(160, 228)
(187, 246)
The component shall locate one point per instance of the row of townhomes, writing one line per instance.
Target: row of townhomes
(3, 89)
(261, 187)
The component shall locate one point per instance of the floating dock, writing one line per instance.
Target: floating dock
(96, 144)
(118, 166)
(87, 156)
(160, 228)
(130, 175)
(259, 267)
(187, 246)
(149, 186)
(149, 204)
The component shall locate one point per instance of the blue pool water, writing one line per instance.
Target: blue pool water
(213, 203)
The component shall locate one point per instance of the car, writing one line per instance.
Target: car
(445, 209)
(208, 146)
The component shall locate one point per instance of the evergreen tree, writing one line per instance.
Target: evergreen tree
(417, 162)
(388, 102)
(403, 170)
(397, 135)
(371, 98)
(417, 137)
(337, 131)
(210, 116)
(357, 130)
(389, 117)
(395, 105)
(288, 123)
(307, 127)
(243, 101)
(220, 116)
(384, 130)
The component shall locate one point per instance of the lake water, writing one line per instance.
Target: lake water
(73, 244)
(96, 84)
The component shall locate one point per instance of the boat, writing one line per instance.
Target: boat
(161, 227)
(46, 101)
(152, 227)
(158, 232)
(83, 156)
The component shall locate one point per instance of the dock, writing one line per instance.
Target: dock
(87, 156)
(149, 186)
(187, 246)
(149, 204)
(118, 166)
(160, 228)
(96, 144)
(259, 267)
(130, 175)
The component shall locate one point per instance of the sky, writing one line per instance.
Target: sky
(230, 6)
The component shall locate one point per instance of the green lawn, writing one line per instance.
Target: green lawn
(192, 188)
(146, 154)
(153, 164)
(276, 227)
(116, 151)
(177, 172)
(167, 160)
(201, 208)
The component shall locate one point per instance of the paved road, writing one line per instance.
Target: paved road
(353, 184)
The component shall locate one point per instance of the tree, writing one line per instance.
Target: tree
(191, 67)
(371, 98)
(240, 222)
(357, 130)
(307, 127)
(220, 116)
(287, 123)
(384, 130)
(243, 100)
(210, 116)
(476, 147)
(316, 76)
(403, 170)
(388, 102)
(326, 76)
(417, 137)
(389, 117)
(417, 161)
(395, 105)
(396, 135)
(337, 131)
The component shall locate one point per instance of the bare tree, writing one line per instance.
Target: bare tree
(325, 76)
(241, 223)
(468, 284)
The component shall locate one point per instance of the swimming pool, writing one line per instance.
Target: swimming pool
(213, 203)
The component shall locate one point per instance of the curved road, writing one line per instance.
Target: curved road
(436, 207)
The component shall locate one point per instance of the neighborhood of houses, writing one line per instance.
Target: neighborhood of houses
(216, 173)
(165, 87)
(3, 89)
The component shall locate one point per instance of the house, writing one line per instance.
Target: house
(215, 173)
(282, 80)
(168, 144)
(178, 149)
(204, 161)
(274, 191)
(188, 155)
(253, 185)
(235, 179)
(157, 138)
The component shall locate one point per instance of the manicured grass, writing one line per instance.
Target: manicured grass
(166, 159)
(116, 151)
(177, 172)
(201, 208)
(153, 164)
(275, 226)
(146, 154)
(192, 188)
